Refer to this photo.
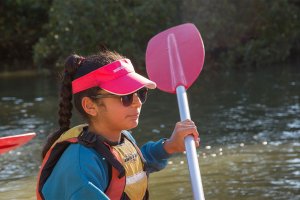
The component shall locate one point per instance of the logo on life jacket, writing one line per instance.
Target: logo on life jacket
(130, 157)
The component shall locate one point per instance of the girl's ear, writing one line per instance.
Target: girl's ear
(89, 106)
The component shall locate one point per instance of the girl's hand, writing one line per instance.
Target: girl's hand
(182, 129)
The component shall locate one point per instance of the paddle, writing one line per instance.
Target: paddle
(12, 142)
(174, 59)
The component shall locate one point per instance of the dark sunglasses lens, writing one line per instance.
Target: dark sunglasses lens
(142, 94)
(127, 99)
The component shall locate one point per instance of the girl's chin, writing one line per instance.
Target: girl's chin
(134, 124)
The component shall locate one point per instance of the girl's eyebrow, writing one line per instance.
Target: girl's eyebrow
(103, 92)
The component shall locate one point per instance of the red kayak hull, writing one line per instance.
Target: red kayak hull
(12, 142)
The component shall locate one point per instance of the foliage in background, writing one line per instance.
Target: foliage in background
(21, 25)
(82, 27)
(241, 34)
(236, 33)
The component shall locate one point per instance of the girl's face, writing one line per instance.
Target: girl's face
(112, 115)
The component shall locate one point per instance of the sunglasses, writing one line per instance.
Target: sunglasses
(126, 99)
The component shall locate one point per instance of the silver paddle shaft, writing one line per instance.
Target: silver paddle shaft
(190, 146)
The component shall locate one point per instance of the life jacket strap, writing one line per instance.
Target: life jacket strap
(92, 140)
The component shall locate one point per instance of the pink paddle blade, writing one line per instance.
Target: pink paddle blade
(175, 57)
(12, 142)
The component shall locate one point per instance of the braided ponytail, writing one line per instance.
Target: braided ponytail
(65, 105)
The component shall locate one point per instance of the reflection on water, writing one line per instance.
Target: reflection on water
(261, 171)
(249, 125)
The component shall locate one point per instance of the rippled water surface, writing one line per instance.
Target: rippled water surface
(249, 125)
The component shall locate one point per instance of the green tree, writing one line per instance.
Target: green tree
(255, 33)
(79, 26)
(21, 24)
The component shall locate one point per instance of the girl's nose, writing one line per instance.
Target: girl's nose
(136, 101)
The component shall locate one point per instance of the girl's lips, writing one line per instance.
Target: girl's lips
(134, 115)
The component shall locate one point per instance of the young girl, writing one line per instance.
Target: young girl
(100, 159)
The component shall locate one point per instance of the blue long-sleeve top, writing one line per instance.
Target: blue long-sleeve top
(82, 173)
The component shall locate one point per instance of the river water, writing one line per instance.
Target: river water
(249, 125)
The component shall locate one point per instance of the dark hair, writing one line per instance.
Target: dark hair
(75, 67)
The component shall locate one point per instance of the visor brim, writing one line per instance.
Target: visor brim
(127, 84)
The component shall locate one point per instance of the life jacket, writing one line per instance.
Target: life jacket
(79, 134)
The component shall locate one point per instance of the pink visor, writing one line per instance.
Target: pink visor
(117, 78)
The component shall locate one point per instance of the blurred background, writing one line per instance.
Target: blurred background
(245, 101)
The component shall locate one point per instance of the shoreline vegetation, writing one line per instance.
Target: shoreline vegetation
(23, 73)
(18, 73)
(208, 68)
(241, 35)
